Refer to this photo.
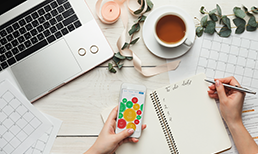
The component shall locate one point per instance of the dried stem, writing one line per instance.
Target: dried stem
(197, 19)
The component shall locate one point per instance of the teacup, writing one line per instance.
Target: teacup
(171, 30)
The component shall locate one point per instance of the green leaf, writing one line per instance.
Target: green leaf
(111, 68)
(135, 28)
(202, 10)
(120, 66)
(119, 56)
(239, 22)
(254, 9)
(219, 10)
(129, 58)
(204, 21)
(135, 40)
(116, 60)
(213, 15)
(220, 21)
(213, 11)
(240, 29)
(252, 22)
(150, 5)
(199, 31)
(226, 21)
(210, 29)
(142, 18)
(148, 9)
(247, 12)
(238, 12)
(251, 25)
(140, 10)
(125, 46)
(245, 8)
(224, 31)
(250, 28)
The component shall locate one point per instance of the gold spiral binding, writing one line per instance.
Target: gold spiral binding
(164, 124)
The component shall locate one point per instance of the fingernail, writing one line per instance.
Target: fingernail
(217, 83)
(130, 131)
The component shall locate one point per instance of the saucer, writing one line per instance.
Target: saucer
(152, 44)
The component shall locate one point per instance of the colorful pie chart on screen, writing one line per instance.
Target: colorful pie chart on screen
(130, 113)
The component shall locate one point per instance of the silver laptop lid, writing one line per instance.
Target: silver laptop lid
(12, 8)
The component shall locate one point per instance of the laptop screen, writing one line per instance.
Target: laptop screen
(7, 5)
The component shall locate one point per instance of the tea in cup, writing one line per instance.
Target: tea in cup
(170, 30)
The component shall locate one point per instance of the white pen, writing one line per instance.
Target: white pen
(241, 89)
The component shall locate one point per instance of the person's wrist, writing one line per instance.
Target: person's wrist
(235, 125)
(92, 150)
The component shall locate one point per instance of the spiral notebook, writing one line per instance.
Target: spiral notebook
(181, 118)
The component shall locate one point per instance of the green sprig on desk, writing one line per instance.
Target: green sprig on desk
(209, 20)
(118, 58)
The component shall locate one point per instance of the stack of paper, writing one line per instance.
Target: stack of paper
(23, 129)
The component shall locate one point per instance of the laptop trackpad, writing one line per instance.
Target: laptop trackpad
(46, 70)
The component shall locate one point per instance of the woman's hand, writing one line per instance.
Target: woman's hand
(231, 101)
(231, 105)
(108, 141)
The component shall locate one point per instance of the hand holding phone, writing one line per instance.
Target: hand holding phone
(131, 107)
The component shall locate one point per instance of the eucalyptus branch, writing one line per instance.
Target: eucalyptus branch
(209, 26)
(137, 27)
(118, 58)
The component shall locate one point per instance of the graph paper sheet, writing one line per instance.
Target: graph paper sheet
(222, 57)
(21, 124)
(44, 144)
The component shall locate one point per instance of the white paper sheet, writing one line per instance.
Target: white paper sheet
(221, 57)
(21, 124)
(105, 113)
(44, 144)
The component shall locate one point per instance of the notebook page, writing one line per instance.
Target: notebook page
(193, 117)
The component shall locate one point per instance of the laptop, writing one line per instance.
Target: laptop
(47, 43)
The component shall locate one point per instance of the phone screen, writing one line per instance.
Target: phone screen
(130, 110)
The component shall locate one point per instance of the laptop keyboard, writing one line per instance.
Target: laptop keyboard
(35, 29)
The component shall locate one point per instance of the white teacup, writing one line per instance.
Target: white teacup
(171, 30)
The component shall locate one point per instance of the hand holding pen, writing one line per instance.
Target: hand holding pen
(231, 106)
(235, 87)
(231, 100)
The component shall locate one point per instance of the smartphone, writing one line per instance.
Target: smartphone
(131, 108)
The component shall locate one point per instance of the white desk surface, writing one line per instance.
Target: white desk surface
(79, 103)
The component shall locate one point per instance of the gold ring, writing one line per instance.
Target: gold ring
(81, 51)
(94, 51)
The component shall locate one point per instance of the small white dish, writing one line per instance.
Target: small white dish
(149, 38)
